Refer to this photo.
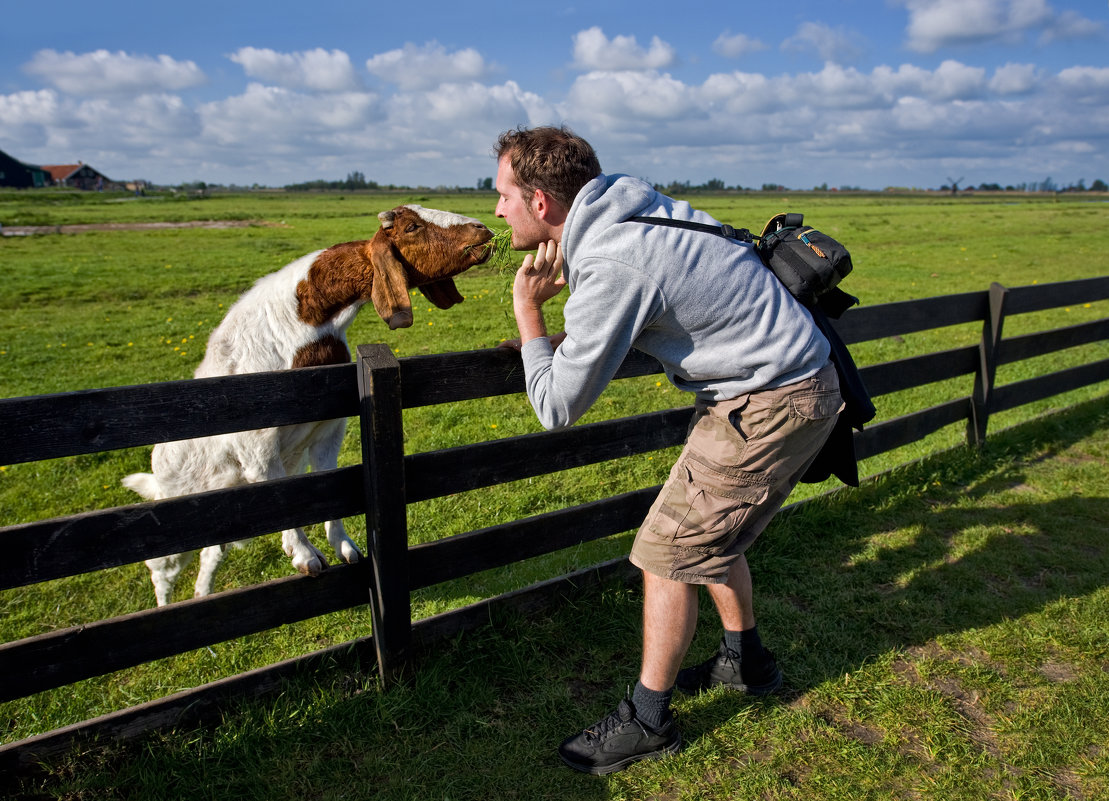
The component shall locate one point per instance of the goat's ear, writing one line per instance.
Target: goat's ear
(443, 294)
(390, 284)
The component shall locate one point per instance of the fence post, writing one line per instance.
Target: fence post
(386, 515)
(988, 349)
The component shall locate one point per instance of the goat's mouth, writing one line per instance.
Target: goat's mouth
(496, 249)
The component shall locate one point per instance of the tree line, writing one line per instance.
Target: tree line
(357, 180)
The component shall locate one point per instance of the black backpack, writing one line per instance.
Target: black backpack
(809, 264)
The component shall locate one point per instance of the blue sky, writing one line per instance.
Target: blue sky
(869, 93)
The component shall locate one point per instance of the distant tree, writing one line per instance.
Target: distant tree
(355, 180)
(1099, 186)
(713, 185)
(485, 184)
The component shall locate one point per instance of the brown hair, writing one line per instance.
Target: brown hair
(556, 160)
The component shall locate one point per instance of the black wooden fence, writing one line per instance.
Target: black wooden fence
(377, 388)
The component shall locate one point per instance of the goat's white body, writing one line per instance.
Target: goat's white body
(261, 332)
(276, 326)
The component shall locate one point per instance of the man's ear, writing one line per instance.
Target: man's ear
(541, 204)
(547, 209)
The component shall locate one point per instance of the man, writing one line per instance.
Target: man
(724, 329)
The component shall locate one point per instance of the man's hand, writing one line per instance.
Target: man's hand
(540, 276)
(538, 280)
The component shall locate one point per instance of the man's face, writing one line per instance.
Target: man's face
(527, 229)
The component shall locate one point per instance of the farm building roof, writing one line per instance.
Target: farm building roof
(59, 172)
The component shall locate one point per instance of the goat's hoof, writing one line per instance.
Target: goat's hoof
(349, 553)
(313, 567)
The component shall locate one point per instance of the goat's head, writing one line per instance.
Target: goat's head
(425, 248)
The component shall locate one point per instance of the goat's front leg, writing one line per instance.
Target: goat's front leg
(324, 455)
(260, 456)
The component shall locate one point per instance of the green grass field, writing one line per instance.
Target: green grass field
(943, 638)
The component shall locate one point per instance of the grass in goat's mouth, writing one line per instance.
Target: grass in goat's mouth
(500, 250)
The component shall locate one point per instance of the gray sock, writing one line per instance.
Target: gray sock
(651, 707)
(745, 643)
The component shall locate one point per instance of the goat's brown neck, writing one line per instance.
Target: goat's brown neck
(339, 277)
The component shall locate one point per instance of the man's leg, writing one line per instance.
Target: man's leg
(734, 599)
(741, 662)
(669, 620)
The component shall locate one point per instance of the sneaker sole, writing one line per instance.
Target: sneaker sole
(602, 770)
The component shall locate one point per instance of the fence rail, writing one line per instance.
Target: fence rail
(377, 388)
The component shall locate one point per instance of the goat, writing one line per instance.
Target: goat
(297, 317)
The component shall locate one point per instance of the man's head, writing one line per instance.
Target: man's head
(539, 173)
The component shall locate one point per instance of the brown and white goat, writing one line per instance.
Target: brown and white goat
(297, 317)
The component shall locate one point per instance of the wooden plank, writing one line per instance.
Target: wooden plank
(93, 649)
(187, 708)
(1039, 297)
(981, 398)
(94, 420)
(1018, 393)
(434, 631)
(385, 484)
(1027, 346)
(909, 428)
(465, 554)
(434, 474)
(452, 377)
(68, 546)
(864, 323)
(917, 371)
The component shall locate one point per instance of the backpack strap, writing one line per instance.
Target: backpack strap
(726, 231)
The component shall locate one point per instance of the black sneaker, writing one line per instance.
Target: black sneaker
(619, 740)
(724, 669)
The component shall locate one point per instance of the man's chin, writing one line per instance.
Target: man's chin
(523, 243)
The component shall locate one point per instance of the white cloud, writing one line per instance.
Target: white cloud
(414, 68)
(626, 100)
(274, 114)
(1087, 85)
(595, 51)
(319, 69)
(1014, 79)
(736, 45)
(101, 72)
(836, 45)
(934, 24)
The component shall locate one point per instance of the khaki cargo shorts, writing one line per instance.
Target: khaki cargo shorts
(741, 460)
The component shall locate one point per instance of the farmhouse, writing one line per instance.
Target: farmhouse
(77, 176)
(17, 174)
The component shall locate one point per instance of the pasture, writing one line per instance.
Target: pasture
(118, 307)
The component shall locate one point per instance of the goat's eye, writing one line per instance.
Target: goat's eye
(411, 227)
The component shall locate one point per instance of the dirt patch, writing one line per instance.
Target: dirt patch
(37, 230)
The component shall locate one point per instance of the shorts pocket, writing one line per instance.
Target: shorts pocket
(705, 504)
(816, 405)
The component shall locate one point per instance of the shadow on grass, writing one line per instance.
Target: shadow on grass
(958, 541)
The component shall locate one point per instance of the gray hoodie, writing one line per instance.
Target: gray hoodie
(717, 320)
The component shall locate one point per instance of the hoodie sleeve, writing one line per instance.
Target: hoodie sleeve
(610, 305)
